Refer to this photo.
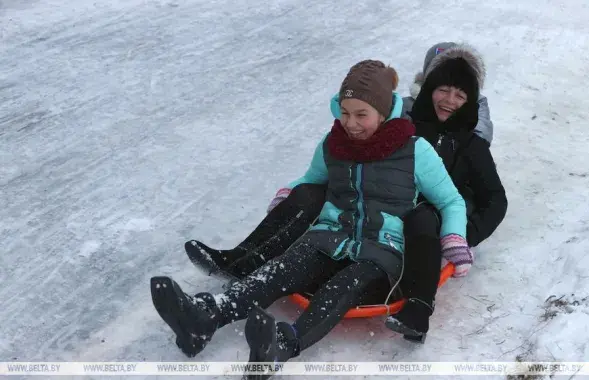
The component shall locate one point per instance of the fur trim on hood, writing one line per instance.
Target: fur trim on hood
(464, 51)
(416, 85)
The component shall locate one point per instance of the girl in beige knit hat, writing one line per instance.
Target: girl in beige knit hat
(374, 168)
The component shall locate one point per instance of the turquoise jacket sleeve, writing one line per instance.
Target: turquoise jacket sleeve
(434, 182)
(317, 171)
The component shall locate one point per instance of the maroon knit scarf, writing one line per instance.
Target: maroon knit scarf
(389, 137)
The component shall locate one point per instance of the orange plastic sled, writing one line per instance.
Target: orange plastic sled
(375, 310)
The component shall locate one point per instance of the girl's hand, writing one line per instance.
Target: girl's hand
(455, 249)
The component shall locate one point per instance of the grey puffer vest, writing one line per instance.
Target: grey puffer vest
(368, 201)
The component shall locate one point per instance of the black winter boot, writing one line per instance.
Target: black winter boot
(194, 320)
(233, 264)
(278, 230)
(214, 261)
(269, 342)
(412, 320)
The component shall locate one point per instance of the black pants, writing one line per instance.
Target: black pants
(291, 218)
(339, 284)
(280, 228)
(423, 253)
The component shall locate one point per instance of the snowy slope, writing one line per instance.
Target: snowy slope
(127, 128)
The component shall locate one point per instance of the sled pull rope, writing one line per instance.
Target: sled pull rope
(386, 302)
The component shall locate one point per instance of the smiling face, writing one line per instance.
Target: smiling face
(447, 100)
(359, 119)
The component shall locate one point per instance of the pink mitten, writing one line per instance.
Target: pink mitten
(281, 195)
(456, 250)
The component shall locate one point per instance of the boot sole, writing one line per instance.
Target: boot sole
(173, 307)
(408, 334)
(260, 334)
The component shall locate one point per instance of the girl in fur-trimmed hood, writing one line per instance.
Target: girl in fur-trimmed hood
(445, 113)
(484, 127)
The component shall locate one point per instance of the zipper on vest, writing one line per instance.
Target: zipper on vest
(359, 203)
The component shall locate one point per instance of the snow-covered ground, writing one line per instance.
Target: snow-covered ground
(129, 127)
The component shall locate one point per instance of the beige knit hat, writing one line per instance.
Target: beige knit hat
(372, 82)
